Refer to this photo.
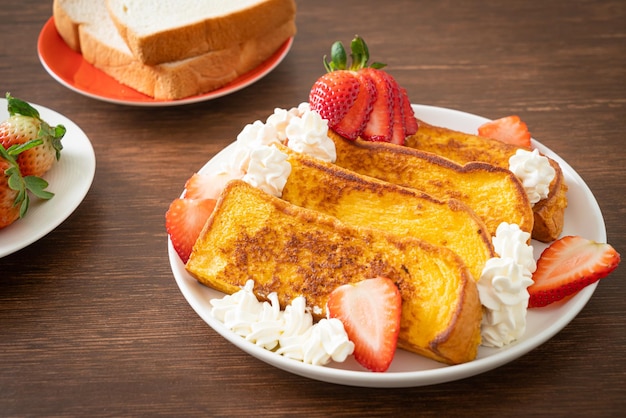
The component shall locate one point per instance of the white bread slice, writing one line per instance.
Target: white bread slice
(86, 27)
(170, 30)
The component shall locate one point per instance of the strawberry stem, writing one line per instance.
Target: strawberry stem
(359, 56)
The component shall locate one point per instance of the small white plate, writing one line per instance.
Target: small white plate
(70, 69)
(69, 179)
(582, 217)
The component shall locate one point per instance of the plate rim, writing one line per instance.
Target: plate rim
(390, 379)
(235, 85)
(81, 141)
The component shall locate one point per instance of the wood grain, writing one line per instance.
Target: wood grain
(93, 324)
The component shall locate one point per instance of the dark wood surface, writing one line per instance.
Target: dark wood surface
(92, 322)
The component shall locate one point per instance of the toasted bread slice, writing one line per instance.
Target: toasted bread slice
(295, 251)
(366, 201)
(493, 193)
(464, 148)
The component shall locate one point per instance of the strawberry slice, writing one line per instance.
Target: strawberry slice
(568, 265)
(352, 124)
(184, 221)
(398, 133)
(379, 126)
(410, 123)
(370, 312)
(333, 94)
(509, 129)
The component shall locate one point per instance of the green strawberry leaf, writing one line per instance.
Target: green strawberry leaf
(16, 106)
(37, 185)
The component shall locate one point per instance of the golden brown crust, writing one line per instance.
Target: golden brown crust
(493, 193)
(295, 251)
(464, 148)
(369, 202)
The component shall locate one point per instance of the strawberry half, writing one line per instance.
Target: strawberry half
(184, 221)
(509, 129)
(370, 312)
(567, 266)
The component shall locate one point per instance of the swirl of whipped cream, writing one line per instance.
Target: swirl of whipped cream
(503, 292)
(308, 134)
(511, 242)
(268, 170)
(252, 136)
(534, 171)
(503, 284)
(290, 332)
(328, 340)
(281, 117)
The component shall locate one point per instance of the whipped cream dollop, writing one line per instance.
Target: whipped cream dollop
(534, 171)
(290, 333)
(308, 134)
(503, 285)
(258, 162)
(268, 170)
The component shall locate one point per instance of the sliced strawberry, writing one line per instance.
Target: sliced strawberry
(568, 265)
(398, 133)
(333, 94)
(352, 124)
(184, 221)
(379, 126)
(509, 129)
(410, 123)
(370, 312)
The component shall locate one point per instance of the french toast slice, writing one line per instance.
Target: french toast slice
(492, 192)
(366, 201)
(296, 251)
(465, 148)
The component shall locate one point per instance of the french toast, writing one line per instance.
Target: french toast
(366, 201)
(492, 192)
(296, 251)
(465, 148)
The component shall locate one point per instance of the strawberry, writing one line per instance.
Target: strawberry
(15, 188)
(410, 123)
(509, 129)
(568, 265)
(25, 124)
(344, 97)
(184, 221)
(333, 95)
(370, 312)
(380, 125)
(354, 121)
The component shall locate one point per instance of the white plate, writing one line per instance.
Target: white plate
(582, 217)
(69, 179)
(70, 69)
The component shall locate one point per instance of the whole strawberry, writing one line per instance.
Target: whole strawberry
(362, 100)
(15, 188)
(24, 124)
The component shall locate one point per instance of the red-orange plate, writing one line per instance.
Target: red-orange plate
(70, 69)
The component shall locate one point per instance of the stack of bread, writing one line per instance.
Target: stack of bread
(175, 49)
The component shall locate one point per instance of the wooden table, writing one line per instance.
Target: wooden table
(93, 323)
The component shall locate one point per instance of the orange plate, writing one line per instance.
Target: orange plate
(70, 69)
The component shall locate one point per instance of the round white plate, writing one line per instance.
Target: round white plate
(582, 217)
(69, 179)
(70, 69)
